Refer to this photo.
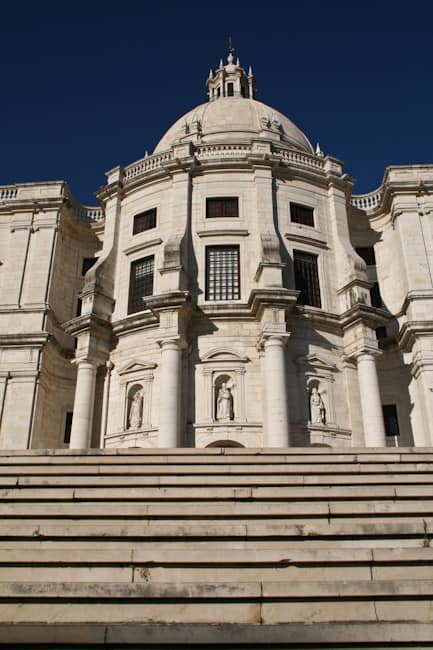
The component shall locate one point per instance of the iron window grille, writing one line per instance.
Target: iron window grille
(302, 214)
(144, 221)
(141, 283)
(222, 273)
(307, 278)
(227, 206)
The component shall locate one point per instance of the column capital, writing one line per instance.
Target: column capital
(268, 338)
(85, 362)
(172, 343)
(365, 351)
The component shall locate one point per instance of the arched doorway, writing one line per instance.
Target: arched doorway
(225, 443)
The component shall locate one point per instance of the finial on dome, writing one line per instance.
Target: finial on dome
(221, 65)
(250, 71)
(210, 74)
(319, 152)
(238, 63)
(230, 58)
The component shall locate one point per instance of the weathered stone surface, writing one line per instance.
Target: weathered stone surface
(194, 553)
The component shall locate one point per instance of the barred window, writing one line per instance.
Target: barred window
(140, 283)
(302, 214)
(307, 278)
(144, 221)
(226, 206)
(222, 273)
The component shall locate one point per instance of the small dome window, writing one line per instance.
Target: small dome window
(230, 89)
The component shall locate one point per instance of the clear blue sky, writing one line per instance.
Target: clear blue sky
(89, 85)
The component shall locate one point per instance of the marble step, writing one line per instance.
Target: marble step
(47, 480)
(421, 528)
(205, 510)
(160, 471)
(217, 493)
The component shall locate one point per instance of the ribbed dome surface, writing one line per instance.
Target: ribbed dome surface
(233, 119)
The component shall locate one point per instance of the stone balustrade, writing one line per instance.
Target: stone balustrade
(146, 164)
(52, 190)
(205, 152)
(368, 201)
(302, 159)
(89, 214)
(8, 193)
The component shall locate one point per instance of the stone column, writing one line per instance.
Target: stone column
(371, 405)
(277, 411)
(82, 420)
(169, 393)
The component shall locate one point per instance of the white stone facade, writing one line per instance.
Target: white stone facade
(226, 347)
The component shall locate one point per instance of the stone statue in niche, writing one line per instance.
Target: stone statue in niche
(317, 407)
(224, 403)
(136, 410)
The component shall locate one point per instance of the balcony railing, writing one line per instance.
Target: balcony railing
(36, 192)
(367, 201)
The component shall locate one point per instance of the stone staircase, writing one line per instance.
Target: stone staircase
(298, 547)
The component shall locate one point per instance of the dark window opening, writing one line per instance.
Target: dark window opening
(243, 91)
(222, 273)
(381, 332)
(79, 307)
(230, 90)
(367, 254)
(302, 214)
(140, 283)
(307, 278)
(390, 419)
(144, 221)
(375, 297)
(226, 206)
(68, 428)
(88, 262)
(218, 92)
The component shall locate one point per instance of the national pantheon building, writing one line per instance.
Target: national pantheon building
(228, 290)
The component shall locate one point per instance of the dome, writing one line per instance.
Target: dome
(234, 119)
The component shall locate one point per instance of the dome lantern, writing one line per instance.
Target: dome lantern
(230, 80)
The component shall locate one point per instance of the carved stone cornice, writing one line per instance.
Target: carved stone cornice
(134, 322)
(411, 330)
(169, 300)
(365, 314)
(24, 339)
(88, 323)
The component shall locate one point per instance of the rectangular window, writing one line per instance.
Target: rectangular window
(390, 419)
(140, 283)
(375, 297)
(367, 254)
(226, 206)
(222, 273)
(381, 332)
(302, 214)
(144, 221)
(68, 428)
(88, 262)
(307, 278)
